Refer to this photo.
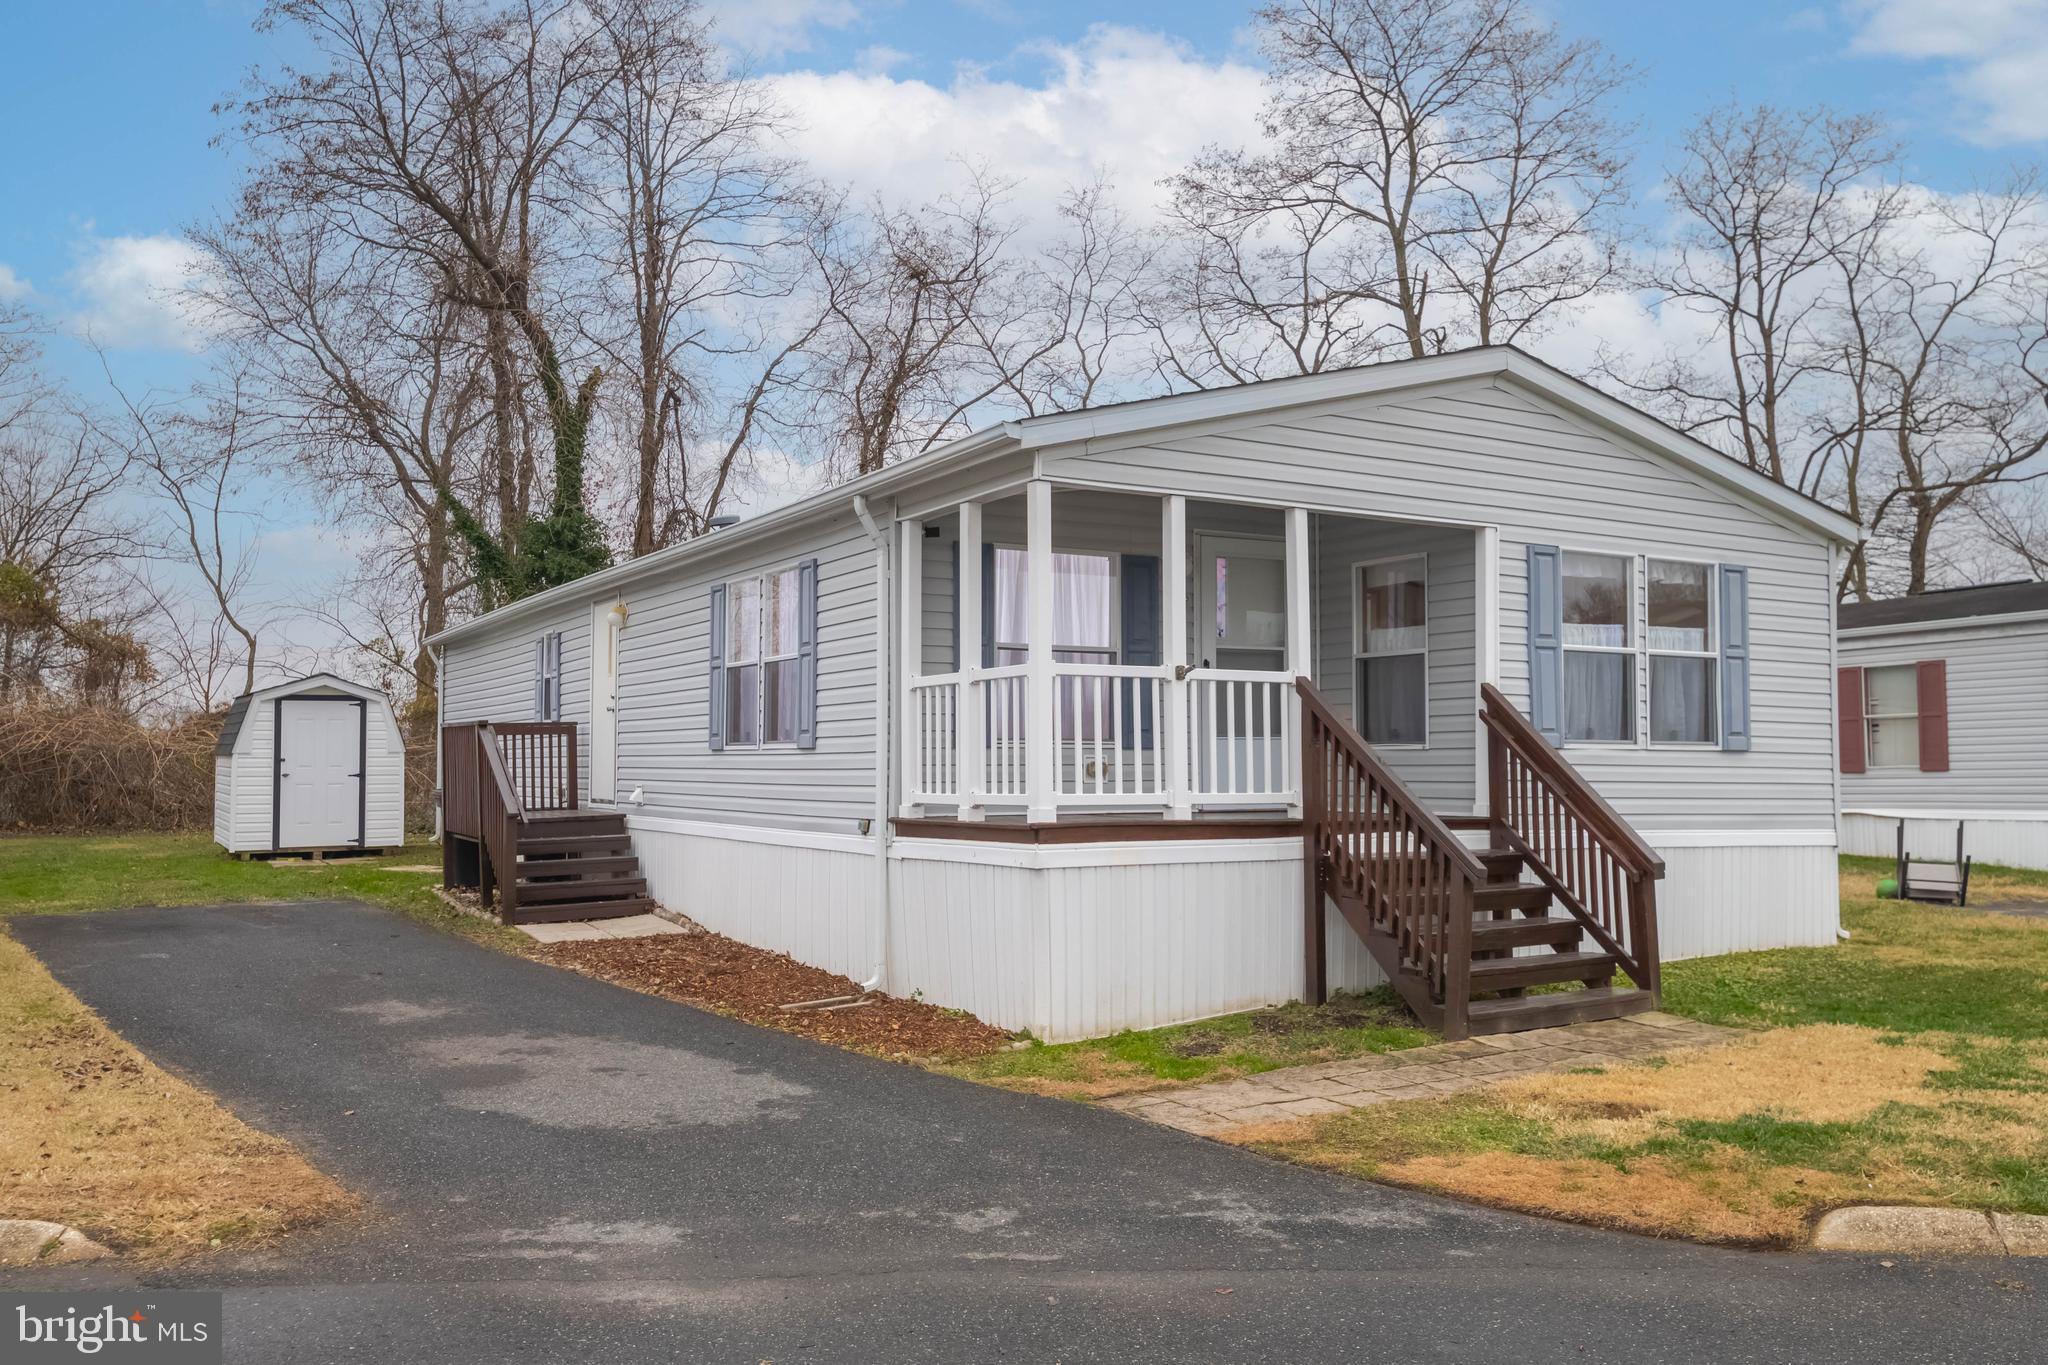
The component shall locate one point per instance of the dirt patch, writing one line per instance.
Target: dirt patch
(94, 1135)
(1197, 1045)
(718, 973)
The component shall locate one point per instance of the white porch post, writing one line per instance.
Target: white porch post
(1041, 752)
(1486, 622)
(1173, 620)
(972, 722)
(910, 641)
(1300, 632)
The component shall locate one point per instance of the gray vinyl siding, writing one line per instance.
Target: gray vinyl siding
(1997, 719)
(1491, 452)
(664, 672)
(1443, 772)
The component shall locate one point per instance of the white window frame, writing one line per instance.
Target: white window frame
(1633, 613)
(1869, 696)
(1359, 652)
(761, 659)
(1115, 653)
(1712, 654)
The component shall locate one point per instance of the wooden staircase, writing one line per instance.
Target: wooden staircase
(1564, 896)
(514, 829)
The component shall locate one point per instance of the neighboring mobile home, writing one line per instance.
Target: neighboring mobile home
(1015, 724)
(1945, 701)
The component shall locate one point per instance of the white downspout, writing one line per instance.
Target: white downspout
(885, 733)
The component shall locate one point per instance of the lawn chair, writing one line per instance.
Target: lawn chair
(1934, 883)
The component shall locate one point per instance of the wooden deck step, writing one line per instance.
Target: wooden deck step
(590, 889)
(1501, 864)
(1561, 1007)
(584, 865)
(1509, 896)
(1540, 969)
(1558, 931)
(561, 912)
(576, 843)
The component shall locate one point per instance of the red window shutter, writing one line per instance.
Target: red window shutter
(1933, 680)
(1849, 717)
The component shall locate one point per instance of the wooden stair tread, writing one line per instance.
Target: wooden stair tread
(596, 888)
(1515, 1014)
(1539, 969)
(1489, 933)
(557, 912)
(577, 843)
(585, 866)
(1511, 896)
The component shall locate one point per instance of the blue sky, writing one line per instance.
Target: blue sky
(109, 107)
(111, 103)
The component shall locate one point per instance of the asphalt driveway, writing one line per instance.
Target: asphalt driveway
(564, 1171)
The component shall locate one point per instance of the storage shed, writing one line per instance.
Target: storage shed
(312, 764)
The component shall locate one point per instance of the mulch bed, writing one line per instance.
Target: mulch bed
(718, 973)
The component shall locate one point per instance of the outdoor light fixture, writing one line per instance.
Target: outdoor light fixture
(616, 617)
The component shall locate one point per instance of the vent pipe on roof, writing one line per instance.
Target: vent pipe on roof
(720, 523)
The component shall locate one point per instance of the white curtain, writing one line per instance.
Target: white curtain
(1599, 696)
(1682, 700)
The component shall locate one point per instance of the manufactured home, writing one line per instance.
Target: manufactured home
(313, 765)
(1453, 672)
(1945, 700)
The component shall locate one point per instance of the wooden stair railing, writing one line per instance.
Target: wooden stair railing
(1595, 865)
(1400, 876)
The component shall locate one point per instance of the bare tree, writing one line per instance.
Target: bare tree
(1771, 204)
(692, 218)
(439, 131)
(1433, 172)
(197, 456)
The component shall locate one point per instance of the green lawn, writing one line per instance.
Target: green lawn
(1233, 1045)
(67, 874)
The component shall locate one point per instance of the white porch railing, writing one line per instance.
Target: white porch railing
(1242, 737)
(1126, 735)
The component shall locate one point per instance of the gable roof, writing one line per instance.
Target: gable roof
(1203, 405)
(1960, 605)
(238, 712)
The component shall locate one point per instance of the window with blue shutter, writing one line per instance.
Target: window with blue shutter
(807, 655)
(547, 677)
(764, 660)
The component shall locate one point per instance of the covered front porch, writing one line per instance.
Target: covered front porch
(1100, 657)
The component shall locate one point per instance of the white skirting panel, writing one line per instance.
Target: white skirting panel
(1738, 898)
(2003, 838)
(815, 903)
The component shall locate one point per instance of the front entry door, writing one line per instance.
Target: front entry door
(319, 773)
(604, 704)
(1240, 627)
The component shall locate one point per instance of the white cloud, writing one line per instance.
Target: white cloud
(12, 286)
(771, 28)
(139, 292)
(879, 59)
(1136, 105)
(1995, 52)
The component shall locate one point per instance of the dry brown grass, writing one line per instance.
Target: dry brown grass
(94, 1135)
(1745, 1143)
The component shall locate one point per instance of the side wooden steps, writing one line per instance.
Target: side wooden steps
(576, 865)
(1514, 1015)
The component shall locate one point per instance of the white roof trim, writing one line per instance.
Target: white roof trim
(1942, 623)
(1120, 419)
(334, 680)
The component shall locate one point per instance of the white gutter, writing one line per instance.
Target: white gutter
(885, 748)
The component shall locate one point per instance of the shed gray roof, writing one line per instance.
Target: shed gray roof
(1949, 604)
(238, 713)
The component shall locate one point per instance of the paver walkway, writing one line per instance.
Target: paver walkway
(1439, 1069)
(582, 930)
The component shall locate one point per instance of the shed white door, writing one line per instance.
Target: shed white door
(319, 773)
(604, 704)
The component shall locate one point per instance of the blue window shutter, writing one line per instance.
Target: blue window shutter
(807, 654)
(958, 662)
(554, 675)
(988, 605)
(1735, 729)
(1546, 639)
(715, 692)
(540, 678)
(1143, 642)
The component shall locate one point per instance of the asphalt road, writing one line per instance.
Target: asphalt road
(565, 1172)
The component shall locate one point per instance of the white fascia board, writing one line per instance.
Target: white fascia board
(988, 442)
